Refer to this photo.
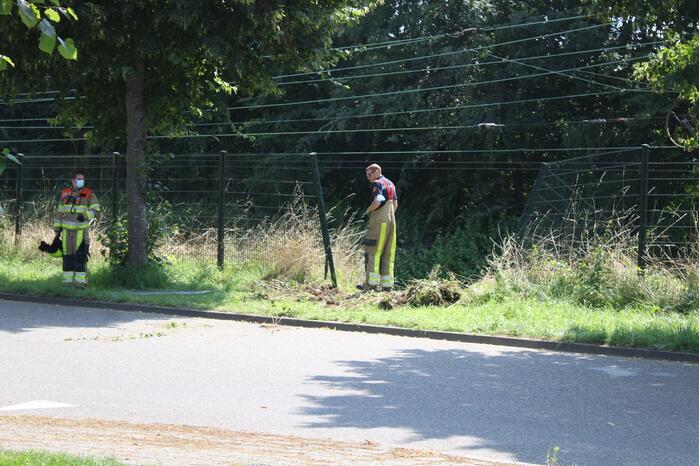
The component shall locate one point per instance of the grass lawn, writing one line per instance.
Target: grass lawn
(242, 290)
(40, 458)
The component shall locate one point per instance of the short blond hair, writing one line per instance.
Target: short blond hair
(374, 167)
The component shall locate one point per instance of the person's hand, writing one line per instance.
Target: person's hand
(80, 217)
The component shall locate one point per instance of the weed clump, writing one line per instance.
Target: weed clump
(434, 291)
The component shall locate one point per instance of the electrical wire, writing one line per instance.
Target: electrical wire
(436, 109)
(447, 127)
(428, 89)
(410, 41)
(590, 81)
(467, 65)
(443, 54)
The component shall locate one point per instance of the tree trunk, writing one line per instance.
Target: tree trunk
(136, 165)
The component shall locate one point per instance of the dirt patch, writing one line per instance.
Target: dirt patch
(134, 443)
(432, 291)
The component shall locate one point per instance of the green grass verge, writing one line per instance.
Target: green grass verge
(239, 290)
(41, 458)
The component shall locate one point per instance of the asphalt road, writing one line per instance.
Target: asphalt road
(481, 401)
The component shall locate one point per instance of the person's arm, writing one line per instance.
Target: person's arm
(377, 198)
(396, 205)
(374, 205)
(93, 207)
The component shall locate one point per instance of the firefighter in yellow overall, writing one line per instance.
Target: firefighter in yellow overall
(380, 239)
(77, 207)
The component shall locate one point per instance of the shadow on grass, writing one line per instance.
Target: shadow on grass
(19, 317)
(150, 277)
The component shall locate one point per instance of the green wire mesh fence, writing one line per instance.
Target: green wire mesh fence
(652, 193)
(212, 207)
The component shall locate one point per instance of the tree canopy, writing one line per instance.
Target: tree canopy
(35, 15)
(149, 67)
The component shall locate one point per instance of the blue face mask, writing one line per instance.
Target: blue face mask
(79, 183)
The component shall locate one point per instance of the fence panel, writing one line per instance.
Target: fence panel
(613, 193)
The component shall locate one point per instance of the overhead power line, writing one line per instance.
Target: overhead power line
(443, 54)
(349, 117)
(610, 120)
(403, 112)
(436, 109)
(482, 125)
(466, 65)
(428, 69)
(427, 89)
(590, 81)
(414, 40)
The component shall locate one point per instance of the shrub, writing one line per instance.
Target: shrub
(463, 251)
(116, 238)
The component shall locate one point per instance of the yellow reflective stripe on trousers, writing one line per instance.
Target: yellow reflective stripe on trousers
(393, 252)
(81, 277)
(79, 238)
(380, 247)
(68, 277)
(75, 225)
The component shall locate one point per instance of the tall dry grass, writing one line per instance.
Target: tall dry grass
(37, 225)
(599, 269)
(286, 247)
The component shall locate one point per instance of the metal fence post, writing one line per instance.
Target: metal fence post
(324, 222)
(115, 214)
(18, 198)
(643, 200)
(220, 229)
(526, 211)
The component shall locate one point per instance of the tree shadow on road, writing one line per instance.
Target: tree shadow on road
(522, 403)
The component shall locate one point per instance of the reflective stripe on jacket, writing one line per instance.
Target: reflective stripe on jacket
(72, 205)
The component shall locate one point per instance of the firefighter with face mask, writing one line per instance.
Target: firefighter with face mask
(380, 239)
(77, 206)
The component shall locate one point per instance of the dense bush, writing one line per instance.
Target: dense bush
(463, 251)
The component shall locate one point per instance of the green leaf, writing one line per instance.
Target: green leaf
(55, 2)
(5, 151)
(47, 43)
(5, 7)
(12, 158)
(4, 61)
(67, 49)
(52, 15)
(47, 28)
(72, 13)
(29, 13)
